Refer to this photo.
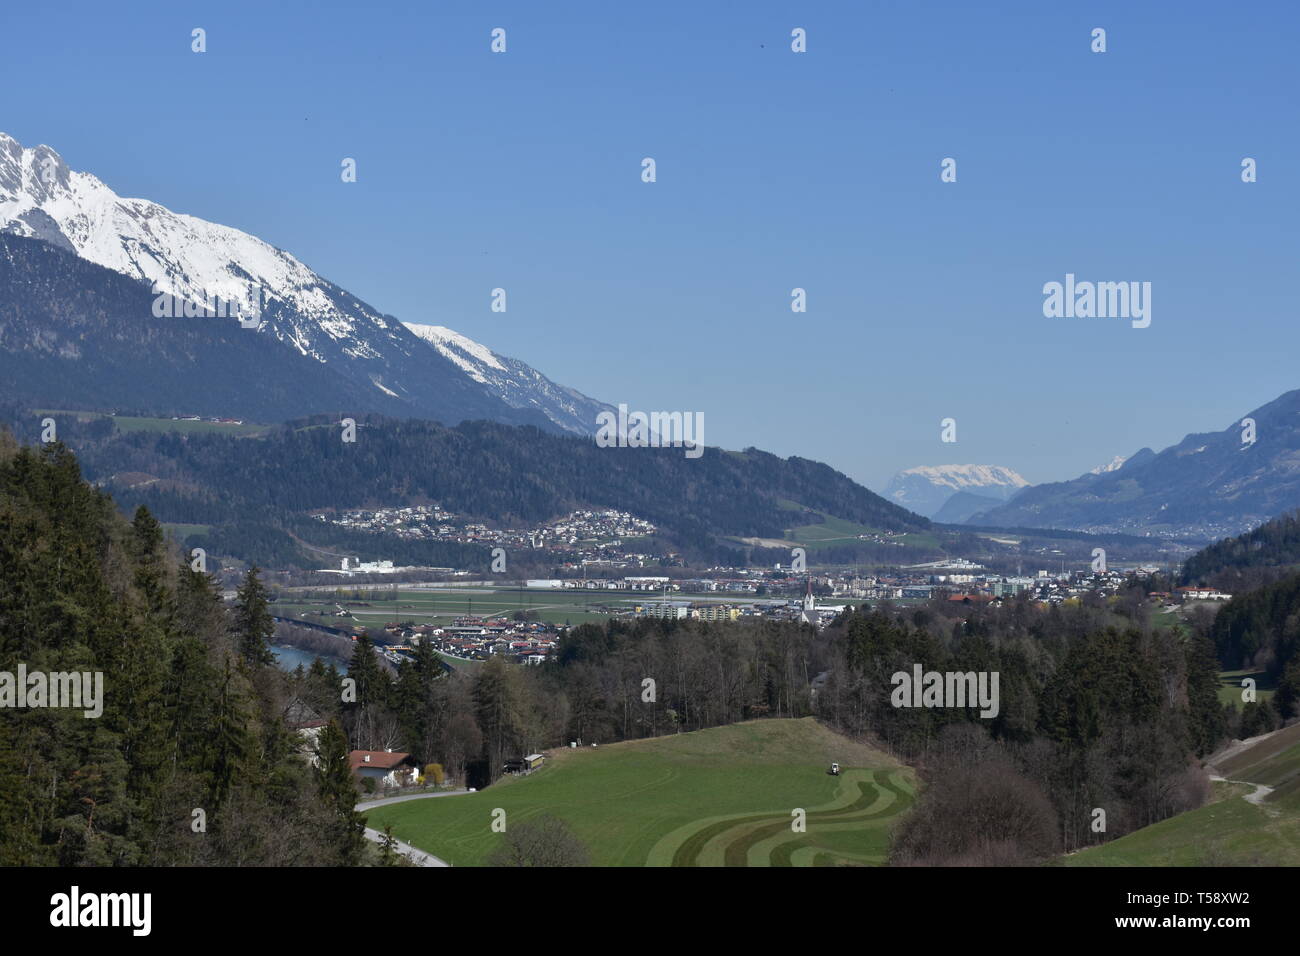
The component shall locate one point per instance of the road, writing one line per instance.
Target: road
(416, 856)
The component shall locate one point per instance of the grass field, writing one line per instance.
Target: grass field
(718, 797)
(1232, 830)
(1230, 686)
(465, 666)
(838, 532)
(433, 607)
(833, 532)
(183, 531)
(129, 423)
(126, 423)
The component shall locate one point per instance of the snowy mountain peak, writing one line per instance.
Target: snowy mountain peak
(196, 261)
(42, 198)
(965, 477)
(926, 489)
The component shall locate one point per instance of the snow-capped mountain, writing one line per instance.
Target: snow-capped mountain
(926, 489)
(197, 261)
(515, 383)
(1115, 464)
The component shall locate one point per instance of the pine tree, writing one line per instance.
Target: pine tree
(230, 744)
(253, 625)
(496, 707)
(1206, 721)
(338, 793)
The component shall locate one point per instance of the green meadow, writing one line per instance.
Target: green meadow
(1230, 688)
(726, 796)
(1231, 830)
(443, 606)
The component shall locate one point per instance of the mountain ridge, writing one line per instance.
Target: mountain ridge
(1209, 485)
(193, 261)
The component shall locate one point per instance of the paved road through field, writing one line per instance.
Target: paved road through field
(418, 857)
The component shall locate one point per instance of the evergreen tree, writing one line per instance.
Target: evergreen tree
(496, 707)
(230, 746)
(253, 625)
(337, 789)
(1206, 721)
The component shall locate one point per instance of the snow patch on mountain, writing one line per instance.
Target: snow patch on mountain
(1115, 464)
(515, 383)
(464, 351)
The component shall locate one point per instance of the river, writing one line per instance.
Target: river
(287, 658)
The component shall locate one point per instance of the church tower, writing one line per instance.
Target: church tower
(809, 615)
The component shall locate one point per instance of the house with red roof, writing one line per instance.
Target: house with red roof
(385, 767)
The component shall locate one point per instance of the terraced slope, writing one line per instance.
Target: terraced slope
(853, 827)
(718, 797)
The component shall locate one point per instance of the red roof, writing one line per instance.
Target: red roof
(379, 759)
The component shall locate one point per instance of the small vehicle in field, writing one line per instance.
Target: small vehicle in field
(835, 770)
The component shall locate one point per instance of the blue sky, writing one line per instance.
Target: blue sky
(775, 170)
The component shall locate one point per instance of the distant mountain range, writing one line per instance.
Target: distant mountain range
(309, 345)
(1208, 486)
(952, 493)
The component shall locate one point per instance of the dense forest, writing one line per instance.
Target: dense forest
(191, 761)
(1250, 560)
(1097, 711)
(258, 489)
(1261, 630)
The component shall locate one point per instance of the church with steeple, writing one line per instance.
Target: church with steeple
(809, 613)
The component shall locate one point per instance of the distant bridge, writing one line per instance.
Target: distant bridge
(340, 632)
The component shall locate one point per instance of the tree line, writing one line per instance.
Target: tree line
(1097, 712)
(191, 761)
(619, 680)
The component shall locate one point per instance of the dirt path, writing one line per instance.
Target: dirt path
(1213, 763)
(1257, 797)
